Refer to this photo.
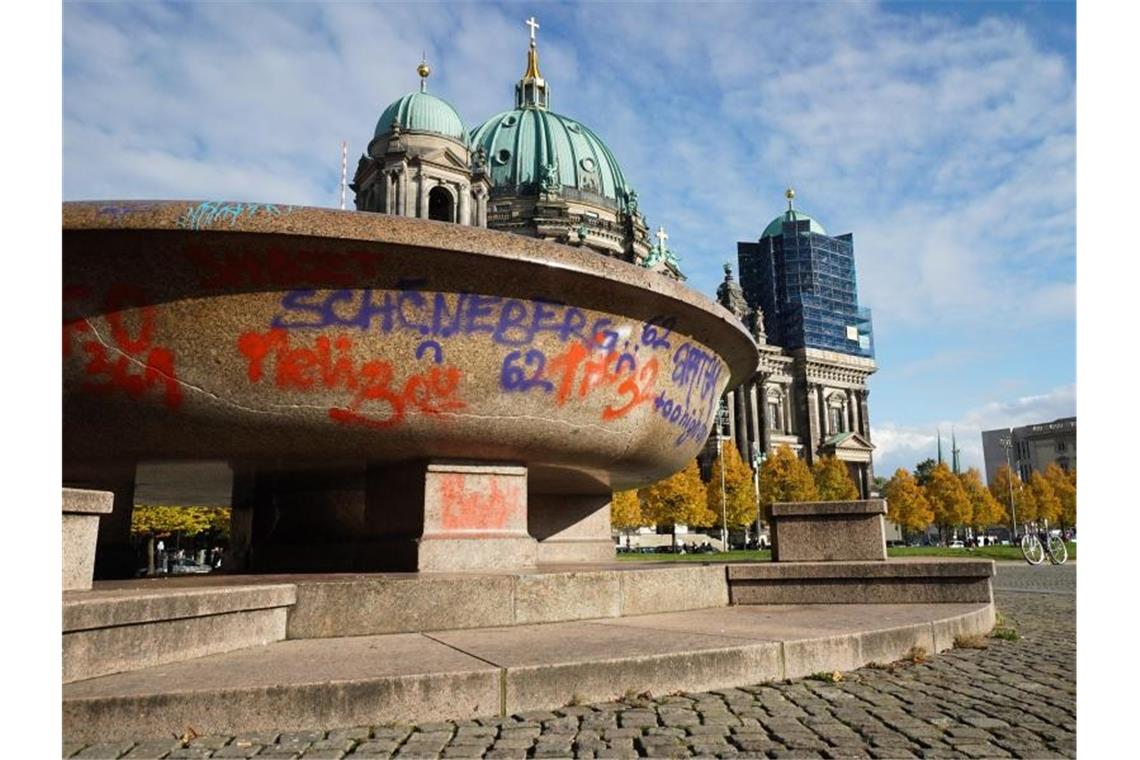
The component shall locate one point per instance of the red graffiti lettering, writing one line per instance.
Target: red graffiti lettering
(466, 508)
(375, 402)
(130, 364)
(639, 388)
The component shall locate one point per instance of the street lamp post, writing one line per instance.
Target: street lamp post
(722, 417)
(1007, 444)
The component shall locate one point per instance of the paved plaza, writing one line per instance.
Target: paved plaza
(1012, 698)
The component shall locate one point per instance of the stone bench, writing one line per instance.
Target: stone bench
(828, 531)
(81, 511)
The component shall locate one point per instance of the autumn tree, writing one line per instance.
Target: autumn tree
(1006, 482)
(785, 477)
(153, 521)
(1065, 488)
(985, 510)
(678, 499)
(625, 511)
(833, 481)
(739, 493)
(948, 499)
(907, 506)
(1048, 505)
(922, 471)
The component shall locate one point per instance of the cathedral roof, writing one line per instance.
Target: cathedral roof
(775, 227)
(523, 142)
(422, 112)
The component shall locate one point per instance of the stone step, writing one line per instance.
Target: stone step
(469, 673)
(113, 630)
(891, 582)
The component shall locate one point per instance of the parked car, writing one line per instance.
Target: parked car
(957, 545)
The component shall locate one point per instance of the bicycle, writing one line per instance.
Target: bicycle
(1037, 543)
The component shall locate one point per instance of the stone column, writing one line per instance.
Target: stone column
(464, 217)
(422, 201)
(765, 423)
(813, 421)
(864, 419)
(751, 414)
(742, 422)
(852, 412)
(785, 407)
(571, 528)
(403, 202)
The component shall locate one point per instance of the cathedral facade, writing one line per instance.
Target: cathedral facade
(799, 299)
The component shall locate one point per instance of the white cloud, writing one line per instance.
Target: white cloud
(946, 148)
(904, 446)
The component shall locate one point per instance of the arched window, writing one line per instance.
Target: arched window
(440, 205)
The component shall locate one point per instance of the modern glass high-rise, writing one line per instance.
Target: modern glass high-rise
(804, 282)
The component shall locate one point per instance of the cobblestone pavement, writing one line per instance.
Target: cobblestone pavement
(1014, 698)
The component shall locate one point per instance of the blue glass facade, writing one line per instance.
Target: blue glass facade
(804, 282)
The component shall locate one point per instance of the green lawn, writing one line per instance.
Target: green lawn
(985, 552)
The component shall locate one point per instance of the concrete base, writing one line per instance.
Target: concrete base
(895, 582)
(571, 528)
(497, 671)
(828, 531)
(81, 511)
(115, 631)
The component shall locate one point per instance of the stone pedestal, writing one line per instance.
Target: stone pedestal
(475, 518)
(822, 531)
(571, 527)
(421, 515)
(81, 511)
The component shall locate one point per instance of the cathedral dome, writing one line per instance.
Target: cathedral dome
(521, 143)
(422, 112)
(792, 215)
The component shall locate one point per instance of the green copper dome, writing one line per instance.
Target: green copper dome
(791, 215)
(522, 142)
(422, 112)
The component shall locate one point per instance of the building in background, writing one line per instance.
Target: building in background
(798, 297)
(1031, 447)
(527, 170)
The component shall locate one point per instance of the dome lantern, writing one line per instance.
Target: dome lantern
(531, 91)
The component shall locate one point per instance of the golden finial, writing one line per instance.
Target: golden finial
(790, 193)
(424, 71)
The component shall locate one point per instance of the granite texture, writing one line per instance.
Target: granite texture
(325, 336)
(892, 582)
(81, 512)
(119, 630)
(828, 531)
(480, 673)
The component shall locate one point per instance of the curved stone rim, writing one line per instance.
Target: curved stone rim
(740, 353)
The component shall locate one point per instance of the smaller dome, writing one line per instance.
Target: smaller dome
(776, 227)
(422, 112)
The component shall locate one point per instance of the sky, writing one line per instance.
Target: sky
(941, 135)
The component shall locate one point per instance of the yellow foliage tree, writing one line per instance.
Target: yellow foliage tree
(679, 498)
(1065, 488)
(625, 511)
(156, 520)
(785, 477)
(907, 506)
(833, 481)
(1048, 505)
(985, 510)
(947, 499)
(739, 494)
(1005, 481)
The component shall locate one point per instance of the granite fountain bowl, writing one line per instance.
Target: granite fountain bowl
(269, 333)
